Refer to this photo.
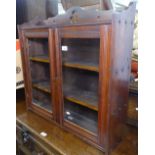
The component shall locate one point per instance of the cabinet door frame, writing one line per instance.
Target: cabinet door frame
(88, 32)
(39, 34)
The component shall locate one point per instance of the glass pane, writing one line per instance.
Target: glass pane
(40, 73)
(80, 60)
(81, 116)
(41, 99)
(82, 53)
(81, 85)
(38, 48)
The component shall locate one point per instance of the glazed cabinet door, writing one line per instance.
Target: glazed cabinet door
(78, 59)
(39, 58)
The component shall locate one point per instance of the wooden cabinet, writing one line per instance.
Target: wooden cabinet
(76, 70)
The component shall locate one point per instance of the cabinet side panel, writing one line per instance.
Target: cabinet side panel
(122, 42)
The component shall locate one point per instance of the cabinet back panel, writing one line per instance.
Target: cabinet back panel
(80, 79)
(41, 99)
(38, 47)
(39, 72)
(81, 116)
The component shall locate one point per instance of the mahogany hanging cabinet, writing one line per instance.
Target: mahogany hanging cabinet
(77, 70)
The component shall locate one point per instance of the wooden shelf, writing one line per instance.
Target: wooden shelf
(41, 58)
(83, 98)
(43, 86)
(82, 65)
(82, 121)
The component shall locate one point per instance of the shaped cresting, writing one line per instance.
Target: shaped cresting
(80, 16)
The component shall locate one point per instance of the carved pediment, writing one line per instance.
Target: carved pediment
(78, 16)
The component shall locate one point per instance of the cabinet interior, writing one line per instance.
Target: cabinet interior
(40, 73)
(41, 99)
(80, 76)
(81, 116)
(80, 53)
